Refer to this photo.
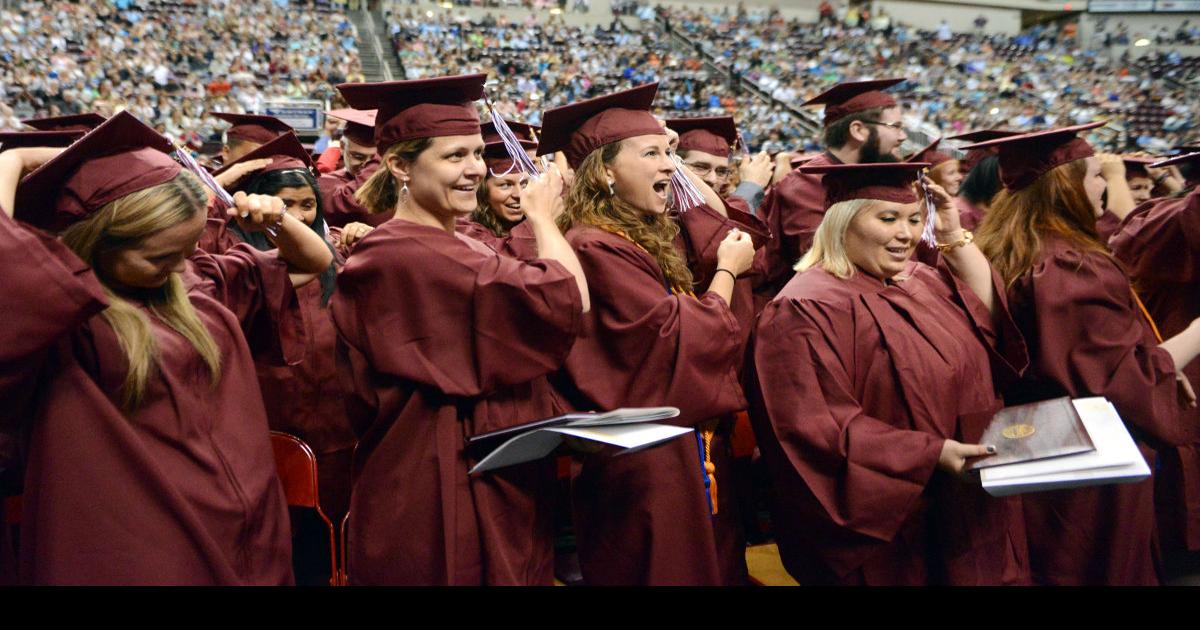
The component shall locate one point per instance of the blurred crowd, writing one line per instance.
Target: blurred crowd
(956, 81)
(169, 63)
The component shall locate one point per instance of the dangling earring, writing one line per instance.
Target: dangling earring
(404, 194)
(611, 192)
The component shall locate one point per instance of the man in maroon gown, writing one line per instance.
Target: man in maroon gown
(862, 124)
(358, 149)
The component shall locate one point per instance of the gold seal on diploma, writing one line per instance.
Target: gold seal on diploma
(1018, 431)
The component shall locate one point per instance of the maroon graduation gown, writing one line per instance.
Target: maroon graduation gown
(520, 242)
(181, 491)
(644, 518)
(793, 210)
(1107, 225)
(859, 383)
(1159, 244)
(341, 208)
(1087, 337)
(443, 339)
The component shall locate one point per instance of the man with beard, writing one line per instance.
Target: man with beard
(861, 125)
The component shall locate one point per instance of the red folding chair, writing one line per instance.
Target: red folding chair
(297, 467)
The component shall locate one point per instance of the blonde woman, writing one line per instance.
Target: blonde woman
(875, 375)
(131, 383)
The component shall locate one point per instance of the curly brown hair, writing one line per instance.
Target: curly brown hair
(590, 203)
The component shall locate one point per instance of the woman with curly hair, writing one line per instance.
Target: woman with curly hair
(643, 518)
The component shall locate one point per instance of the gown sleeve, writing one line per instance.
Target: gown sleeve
(452, 318)
(866, 474)
(1160, 241)
(1092, 340)
(47, 293)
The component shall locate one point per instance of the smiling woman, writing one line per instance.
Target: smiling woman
(646, 517)
(873, 375)
(444, 339)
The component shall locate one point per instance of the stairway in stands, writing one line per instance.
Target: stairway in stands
(376, 52)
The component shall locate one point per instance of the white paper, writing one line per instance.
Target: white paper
(540, 443)
(1115, 460)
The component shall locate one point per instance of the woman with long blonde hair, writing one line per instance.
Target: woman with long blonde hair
(131, 383)
(643, 518)
(1089, 335)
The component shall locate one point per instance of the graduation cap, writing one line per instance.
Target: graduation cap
(577, 129)
(526, 133)
(360, 125)
(975, 156)
(252, 127)
(1135, 166)
(425, 108)
(120, 157)
(285, 153)
(1028, 156)
(852, 97)
(712, 135)
(19, 139)
(802, 158)
(1186, 158)
(882, 181)
(74, 122)
(498, 159)
(930, 154)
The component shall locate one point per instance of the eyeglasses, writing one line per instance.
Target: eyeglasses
(703, 169)
(898, 126)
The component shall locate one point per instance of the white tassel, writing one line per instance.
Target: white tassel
(222, 195)
(513, 146)
(927, 234)
(684, 194)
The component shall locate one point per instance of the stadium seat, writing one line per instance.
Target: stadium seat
(297, 467)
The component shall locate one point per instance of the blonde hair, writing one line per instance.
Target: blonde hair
(380, 194)
(828, 250)
(590, 203)
(122, 223)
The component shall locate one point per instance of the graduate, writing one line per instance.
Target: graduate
(862, 123)
(644, 518)
(944, 170)
(305, 398)
(357, 151)
(248, 132)
(876, 376)
(1158, 244)
(706, 147)
(443, 339)
(128, 372)
(1089, 335)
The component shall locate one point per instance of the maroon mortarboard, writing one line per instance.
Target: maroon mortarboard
(713, 135)
(74, 122)
(525, 133)
(930, 154)
(852, 97)
(499, 162)
(983, 135)
(425, 108)
(975, 156)
(252, 127)
(579, 128)
(120, 157)
(1028, 156)
(285, 152)
(883, 181)
(1135, 165)
(1190, 147)
(1186, 158)
(360, 125)
(19, 139)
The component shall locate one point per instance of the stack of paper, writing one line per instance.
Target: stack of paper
(1115, 459)
(627, 428)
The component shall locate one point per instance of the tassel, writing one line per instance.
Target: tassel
(511, 144)
(930, 215)
(684, 194)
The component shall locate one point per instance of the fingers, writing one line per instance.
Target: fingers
(975, 450)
